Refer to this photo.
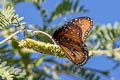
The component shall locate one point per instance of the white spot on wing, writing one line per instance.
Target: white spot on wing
(66, 29)
(79, 21)
(68, 39)
(82, 25)
(73, 30)
(76, 19)
(69, 27)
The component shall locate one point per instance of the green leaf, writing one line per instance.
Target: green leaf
(76, 5)
(9, 17)
(38, 62)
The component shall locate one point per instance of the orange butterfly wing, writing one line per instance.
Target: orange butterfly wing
(86, 24)
(71, 38)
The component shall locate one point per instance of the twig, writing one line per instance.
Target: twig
(42, 47)
(107, 52)
(13, 34)
(8, 38)
(42, 33)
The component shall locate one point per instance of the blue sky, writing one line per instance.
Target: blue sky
(101, 11)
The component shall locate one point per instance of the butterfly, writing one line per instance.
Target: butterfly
(71, 37)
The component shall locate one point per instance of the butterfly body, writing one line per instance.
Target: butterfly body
(71, 38)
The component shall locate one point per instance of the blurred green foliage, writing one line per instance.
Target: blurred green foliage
(101, 40)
